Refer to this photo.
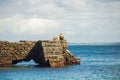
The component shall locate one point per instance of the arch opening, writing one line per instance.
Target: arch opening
(35, 57)
(25, 63)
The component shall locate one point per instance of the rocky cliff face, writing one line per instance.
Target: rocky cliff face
(47, 53)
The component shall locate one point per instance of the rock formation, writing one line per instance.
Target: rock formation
(47, 53)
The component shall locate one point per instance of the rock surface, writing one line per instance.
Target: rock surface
(47, 53)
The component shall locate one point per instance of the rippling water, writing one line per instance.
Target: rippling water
(98, 62)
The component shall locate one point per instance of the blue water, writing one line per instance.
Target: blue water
(98, 62)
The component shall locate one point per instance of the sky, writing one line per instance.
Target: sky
(81, 21)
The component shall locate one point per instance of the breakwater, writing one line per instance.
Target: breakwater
(47, 53)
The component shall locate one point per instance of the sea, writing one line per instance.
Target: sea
(98, 62)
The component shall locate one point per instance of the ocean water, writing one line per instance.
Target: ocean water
(98, 62)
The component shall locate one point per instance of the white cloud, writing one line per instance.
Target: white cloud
(37, 26)
(32, 26)
(79, 20)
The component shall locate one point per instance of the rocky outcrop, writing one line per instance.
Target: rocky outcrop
(47, 53)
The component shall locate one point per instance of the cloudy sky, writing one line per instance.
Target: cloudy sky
(79, 20)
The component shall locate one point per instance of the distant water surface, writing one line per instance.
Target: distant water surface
(98, 62)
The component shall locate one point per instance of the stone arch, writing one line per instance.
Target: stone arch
(37, 54)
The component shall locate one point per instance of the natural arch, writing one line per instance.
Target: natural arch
(37, 54)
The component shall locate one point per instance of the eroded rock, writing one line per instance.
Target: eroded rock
(47, 53)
